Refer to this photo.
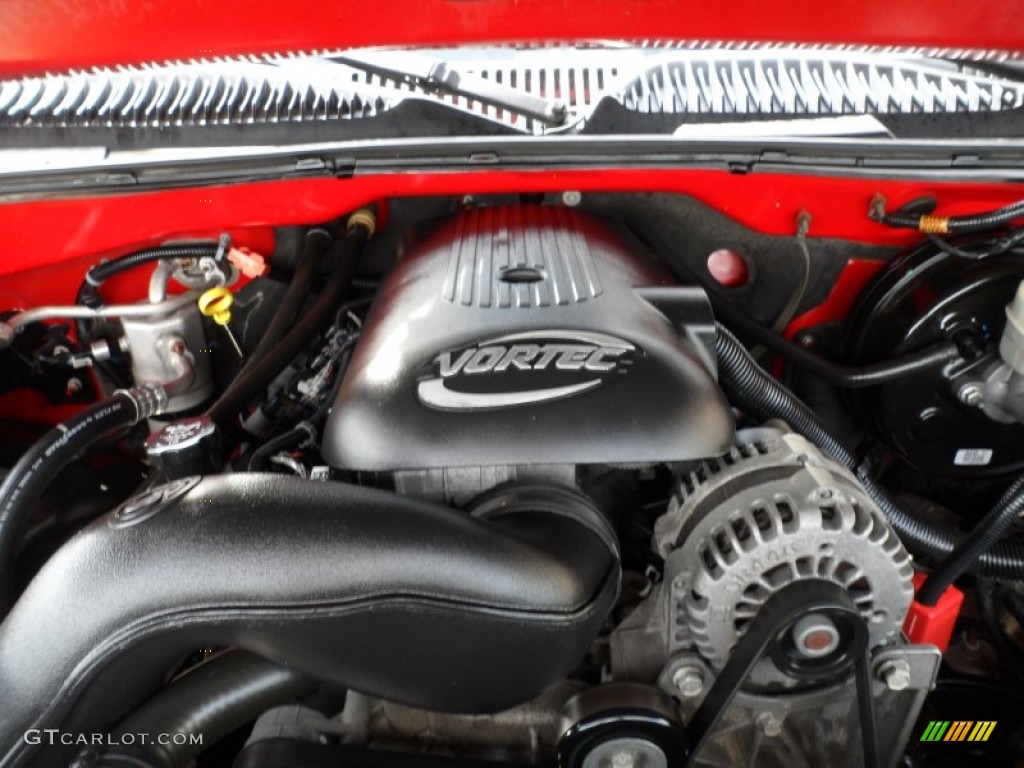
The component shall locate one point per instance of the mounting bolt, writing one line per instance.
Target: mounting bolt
(972, 394)
(895, 674)
(572, 198)
(74, 386)
(876, 208)
(803, 222)
(770, 725)
(688, 680)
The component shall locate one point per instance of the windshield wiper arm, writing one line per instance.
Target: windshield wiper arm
(436, 75)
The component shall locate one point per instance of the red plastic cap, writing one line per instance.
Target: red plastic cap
(933, 624)
(728, 268)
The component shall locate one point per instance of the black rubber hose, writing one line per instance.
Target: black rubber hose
(37, 468)
(956, 225)
(255, 378)
(294, 296)
(854, 377)
(96, 276)
(845, 376)
(1004, 561)
(762, 396)
(293, 437)
(986, 533)
(211, 701)
(759, 394)
(88, 293)
(826, 401)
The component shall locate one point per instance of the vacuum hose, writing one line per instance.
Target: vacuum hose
(96, 276)
(760, 395)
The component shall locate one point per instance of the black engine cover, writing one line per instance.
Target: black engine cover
(529, 335)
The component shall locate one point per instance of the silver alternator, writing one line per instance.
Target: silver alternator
(771, 512)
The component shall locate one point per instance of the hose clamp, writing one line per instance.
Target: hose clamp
(149, 399)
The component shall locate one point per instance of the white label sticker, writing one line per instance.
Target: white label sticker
(973, 457)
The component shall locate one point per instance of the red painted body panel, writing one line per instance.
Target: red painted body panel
(48, 232)
(851, 281)
(46, 35)
(48, 245)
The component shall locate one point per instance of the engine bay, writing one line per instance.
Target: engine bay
(576, 479)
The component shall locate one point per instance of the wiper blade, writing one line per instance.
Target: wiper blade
(436, 75)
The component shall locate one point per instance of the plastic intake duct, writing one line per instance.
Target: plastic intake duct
(396, 597)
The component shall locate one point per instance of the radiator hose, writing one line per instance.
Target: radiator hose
(762, 396)
(213, 700)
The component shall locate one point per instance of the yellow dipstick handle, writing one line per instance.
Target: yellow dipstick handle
(216, 304)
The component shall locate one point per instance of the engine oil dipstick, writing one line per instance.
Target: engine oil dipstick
(216, 304)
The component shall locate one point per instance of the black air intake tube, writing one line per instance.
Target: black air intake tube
(400, 598)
